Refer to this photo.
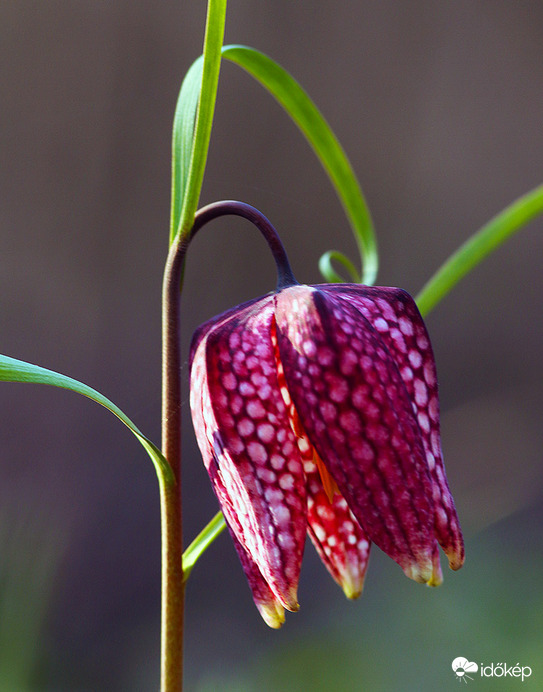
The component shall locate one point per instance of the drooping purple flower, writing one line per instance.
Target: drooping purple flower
(316, 411)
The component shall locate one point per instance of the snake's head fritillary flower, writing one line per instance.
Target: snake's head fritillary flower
(316, 412)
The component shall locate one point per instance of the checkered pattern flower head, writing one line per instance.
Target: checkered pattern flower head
(316, 412)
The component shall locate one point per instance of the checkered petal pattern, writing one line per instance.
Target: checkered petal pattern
(316, 412)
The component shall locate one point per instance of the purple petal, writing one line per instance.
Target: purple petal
(248, 447)
(268, 604)
(355, 409)
(394, 314)
(340, 541)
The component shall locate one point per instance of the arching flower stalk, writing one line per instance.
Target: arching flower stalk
(316, 411)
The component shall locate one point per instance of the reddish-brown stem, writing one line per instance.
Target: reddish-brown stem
(170, 492)
(172, 611)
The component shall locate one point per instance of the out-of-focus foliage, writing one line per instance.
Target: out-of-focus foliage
(31, 545)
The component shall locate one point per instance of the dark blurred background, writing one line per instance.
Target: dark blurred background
(439, 106)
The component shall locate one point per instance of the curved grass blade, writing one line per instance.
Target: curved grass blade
(12, 370)
(204, 539)
(314, 127)
(328, 271)
(193, 121)
(480, 245)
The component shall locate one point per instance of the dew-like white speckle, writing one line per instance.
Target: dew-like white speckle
(257, 379)
(288, 449)
(399, 339)
(235, 445)
(265, 432)
(360, 396)
(234, 341)
(415, 358)
(277, 461)
(363, 451)
(255, 409)
(267, 475)
(421, 392)
(309, 348)
(325, 356)
(246, 427)
(282, 514)
(406, 326)
(229, 381)
(286, 542)
(286, 481)
(328, 411)
(350, 422)
(325, 512)
(257, 452)
(381, 324)
(274, 496)
(377, 433)
(348, 361)
(320, 533)
(406, 373)
(423, 422)
(294, 467)
(339, 389)
(262, 350)
(246, 389)
(264, 392)
(303, 445)
(429, 374)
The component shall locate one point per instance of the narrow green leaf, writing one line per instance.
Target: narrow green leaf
(202, 541)
(12, 370)
(193, 122)
(183, 139)
(314, 127)
(479, 246)
(328, 271)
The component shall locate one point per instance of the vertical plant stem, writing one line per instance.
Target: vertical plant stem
(172, 606)
(172, 611)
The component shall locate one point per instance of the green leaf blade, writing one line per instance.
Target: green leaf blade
(294, 99)
(479, 246)
(202, 541)
(13, 370)
(193, 122)
(183, 139)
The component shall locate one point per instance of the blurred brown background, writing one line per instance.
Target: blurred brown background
(439, 106)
